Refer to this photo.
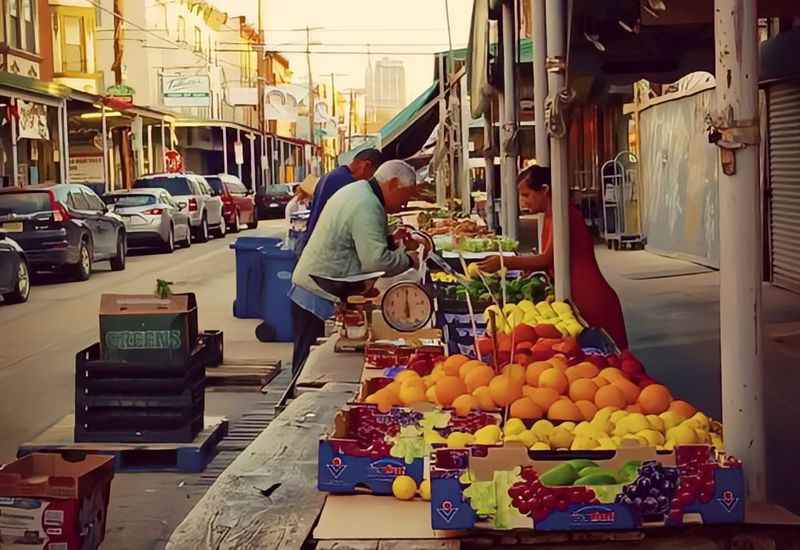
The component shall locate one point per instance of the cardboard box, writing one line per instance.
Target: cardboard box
(355, 455)
(50, 503)
(147, 329)
(500, 488)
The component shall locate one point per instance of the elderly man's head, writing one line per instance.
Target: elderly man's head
(397, 180)
(365, 163)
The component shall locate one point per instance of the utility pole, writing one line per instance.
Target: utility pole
(311, 105)
(124, 134)
(350, 122)
(260, 76)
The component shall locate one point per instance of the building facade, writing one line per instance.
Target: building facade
(386, 91)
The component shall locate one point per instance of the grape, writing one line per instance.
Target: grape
(651, 492)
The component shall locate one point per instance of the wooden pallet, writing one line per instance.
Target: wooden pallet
(242, 374)
(134, 457)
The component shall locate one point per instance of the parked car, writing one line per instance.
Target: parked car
(195, 197)
(63, 226)
(272, 202)
(15, 277)
(151, 217)
(238, 204)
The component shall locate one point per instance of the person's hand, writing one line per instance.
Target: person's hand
(414, 259)
(489, 264)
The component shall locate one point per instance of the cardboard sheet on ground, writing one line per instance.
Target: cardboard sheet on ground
(349, 517)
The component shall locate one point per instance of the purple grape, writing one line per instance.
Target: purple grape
(649, 506)
(630, 491)
(645, 484)
(637, 502)
(667, 486)
(654, 492)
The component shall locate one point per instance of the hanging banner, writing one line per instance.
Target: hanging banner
(238, 152)
(87, 168)
(174, 161)
(32, 120)
(280, 104)
(186, 91)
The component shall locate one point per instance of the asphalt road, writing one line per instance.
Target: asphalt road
(39, 339)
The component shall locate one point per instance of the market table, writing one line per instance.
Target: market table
(325, 366)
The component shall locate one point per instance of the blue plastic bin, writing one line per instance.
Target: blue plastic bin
(277, 266)
(249, 277)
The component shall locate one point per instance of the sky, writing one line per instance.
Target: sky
(396, 26)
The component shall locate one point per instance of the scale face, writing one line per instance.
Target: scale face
(406, 307)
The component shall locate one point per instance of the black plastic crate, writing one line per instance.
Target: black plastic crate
(178, 400)
(86, 383)
(214, 345)
(91, 363)
(167, 430)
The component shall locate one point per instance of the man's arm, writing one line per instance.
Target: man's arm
(368, 228)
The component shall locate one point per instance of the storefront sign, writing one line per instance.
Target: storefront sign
(187, 91)
(121, 94)
(32, 120)
(86, 169)
(238, 152)
(279, 104)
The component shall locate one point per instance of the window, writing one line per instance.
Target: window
(73, 45)
(22, 24)
(93, 200)
(77, 200)
(198, 39)
(177, 186)
(181, 29)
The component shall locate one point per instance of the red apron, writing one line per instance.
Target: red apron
(597, 302)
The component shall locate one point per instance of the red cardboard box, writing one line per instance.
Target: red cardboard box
(51, 503)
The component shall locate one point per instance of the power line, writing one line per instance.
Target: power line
(363, 29)
(366, 44)
(340, 52)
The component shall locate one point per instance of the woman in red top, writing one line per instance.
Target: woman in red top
(597, 302)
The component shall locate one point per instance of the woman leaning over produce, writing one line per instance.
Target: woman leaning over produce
(595, 299)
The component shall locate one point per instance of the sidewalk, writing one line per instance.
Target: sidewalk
(673, 326)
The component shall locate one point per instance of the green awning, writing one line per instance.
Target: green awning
(33, 87)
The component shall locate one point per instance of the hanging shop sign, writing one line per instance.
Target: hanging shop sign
(280, 104)
(174, 161)
(242, 96)
(186, 91)
(120, 95)
(87, 168)
(238, 152)
(32, 120)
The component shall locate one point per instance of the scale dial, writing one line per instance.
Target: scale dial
(406, 307)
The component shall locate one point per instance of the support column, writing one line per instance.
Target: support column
(61, 141)
(65, 143)
(104, 129)
(14, 149)
(441, 185)
(740, 242)
(488, 159)
(502, 223)
(239, 141)
(163, 148)
(224, 150)
(466, 181)
(542, 147)
(253, 183)
(556, 83)
(150, 148)
(508, 159)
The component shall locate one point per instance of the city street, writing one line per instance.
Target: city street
(39, 339)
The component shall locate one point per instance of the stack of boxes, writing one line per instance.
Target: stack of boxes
(145, 381)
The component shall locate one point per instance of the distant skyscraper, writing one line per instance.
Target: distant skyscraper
(386, 91)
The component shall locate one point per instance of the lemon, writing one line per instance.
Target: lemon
(671, 419)
(702, 436)
(584, 428)
(473, 270)
(527, 306)
(606, 444)
(488, 435)
(584, 443)
(570, 426)
(621, 428)
(669, 445)
(542, 428)
(656, 423)
(560, 438)
(457, 440)
(637, 422)
(654, 438)
(640, 441)
(682, 435)
(404, 487)
(433, 437)
(528, 438)
(425, 489)
(616, 416)
(514, 426)
(699, 421)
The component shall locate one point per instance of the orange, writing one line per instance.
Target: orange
(479, 376)
(587, 408)
(655, 399)
(635, 408)
(504, 390)
(554, 379)
(559, 360)
(384, 399)
(452, 363)
(464, 403)
(564, 409)
(484, 397)
(582, 389)
(525, 409)
(464, 369)
(600, 381)
(544, 397)
(448, 388)
(404, 375)
(527, 390)
(430, 395)
(516, 373)
(681, 408)
(611, 373)
(582, 370)
(534, 370)
(628, 389)
(411, 392)
(438, 368)
(610, 396)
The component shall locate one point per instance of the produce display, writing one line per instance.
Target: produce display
(524, 289)
(526, 315)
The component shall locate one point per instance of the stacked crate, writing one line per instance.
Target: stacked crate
(130, 393)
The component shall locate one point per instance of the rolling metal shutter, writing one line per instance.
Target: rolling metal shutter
(784, 180)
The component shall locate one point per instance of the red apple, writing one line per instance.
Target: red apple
(524, 333)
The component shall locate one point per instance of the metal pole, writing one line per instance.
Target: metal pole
(466, 182)
(14, 149)
(224, 150)
(559, 185)
(61, 142)
(163, 147)
(542, 148)
(104, 127)
(150, 148)
(311, 105)
(65, 142)
(740, 243)
(501, 119)
(441, 185)
(488, 158)
(252, 139)
(509, 129)
(239, 141)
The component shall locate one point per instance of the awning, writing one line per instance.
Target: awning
(32, 89)
(407, 131)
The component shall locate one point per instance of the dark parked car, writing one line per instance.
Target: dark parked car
(272, 202)
(238, 204)
(63, 227)
(15, 278)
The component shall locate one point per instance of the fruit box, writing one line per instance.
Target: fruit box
(356, 454)
(509, 487)
(50, 503)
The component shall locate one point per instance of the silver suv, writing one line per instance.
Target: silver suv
(196, 198)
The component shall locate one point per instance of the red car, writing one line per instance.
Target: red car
(238, 204)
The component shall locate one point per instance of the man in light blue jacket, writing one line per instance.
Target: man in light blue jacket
(351, 237)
